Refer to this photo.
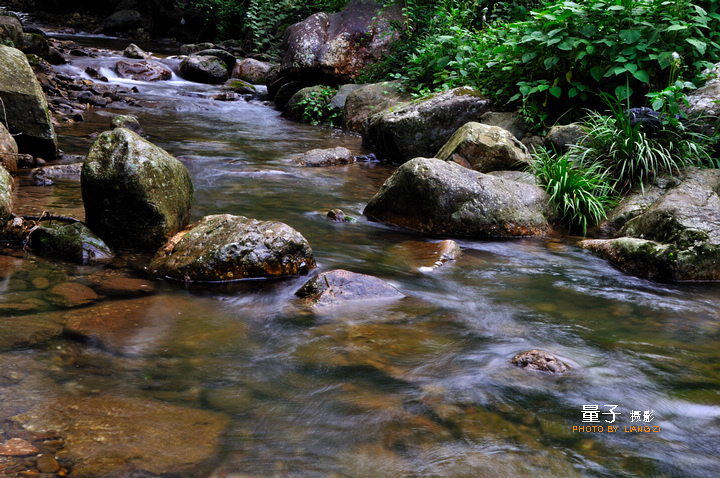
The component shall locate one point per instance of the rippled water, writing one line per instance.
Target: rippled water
(416, 387)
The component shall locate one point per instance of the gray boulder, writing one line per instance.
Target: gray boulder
(204, 69)
(6, 197)
(135, 52)
(339, 287)
(36, 44)
(438, 197)
(485, 148)
(253, 71)
(512, 122)
(705, 100)
(326, 157)
(422, 127)
(676, 238)
(128, 122)
(367, 100)
(228, 58)
(136, 195)
(338, 101)
(8, 150)
(72, 242)
(143, 70)
(226, 248)
(25, 109)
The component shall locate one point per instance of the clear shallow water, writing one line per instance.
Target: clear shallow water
(417, 387)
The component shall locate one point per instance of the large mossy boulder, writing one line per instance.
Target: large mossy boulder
(676, 238)
(438, 197)
(204, 69)
(422, 127)
(371, 99)
(6, 196)
(136, 195)
(25, 110)
(226, 248)
(485, 148)
(73, 242)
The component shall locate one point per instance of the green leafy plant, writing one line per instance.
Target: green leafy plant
(580, 192)
(316, 107)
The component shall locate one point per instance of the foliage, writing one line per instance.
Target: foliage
(316, 107)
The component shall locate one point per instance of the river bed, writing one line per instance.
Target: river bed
(422, 386)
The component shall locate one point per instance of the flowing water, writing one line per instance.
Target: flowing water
(422, 386)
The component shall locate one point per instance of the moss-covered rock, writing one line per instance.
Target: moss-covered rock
(675, 238)
(6, 198)
(371, 99)
(422, 127)
(225, 248)
(438, 197)
(11, 30)
(25, 109)
(72, 242)
(136, 195)
(485, 148)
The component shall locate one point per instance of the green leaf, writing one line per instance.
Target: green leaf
(597, 73)
(529, 56)
(573, 92)
(630, 36)
(442, 62)
(658, 104)
(525, 90)
(590, 49)
(676, 27)
(556, 91)
(550, 62)
(642, 76)
(700, 46)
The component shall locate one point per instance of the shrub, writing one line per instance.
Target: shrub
(316, 107)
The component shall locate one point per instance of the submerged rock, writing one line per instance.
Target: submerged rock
(71, 294)
(437, 197)
(326, 157)
(422, 127)
(676, 238)
(136, 195)
(111, 435)
(485, 148)
(25, 109)
(540, 361)
(28, 330)
(422, 256)
(73, 242)
(226, 248)
(339, 287)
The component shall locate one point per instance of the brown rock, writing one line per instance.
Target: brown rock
(117, 286)
(326, 157)
(143, 70)
(126, 436)
(47, 464)
(17, 447)
(28, 330)
(71, 294)
(539, 360)
(424, 256)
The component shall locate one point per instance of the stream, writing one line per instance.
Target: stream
(419, 387)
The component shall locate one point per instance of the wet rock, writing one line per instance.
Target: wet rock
(485, 148)
(25, 108)
(136, 195)
(253, 71)
(128, 122)
(28, 330)
(204, 69)
(561, 137)
(295, 109)
(143, 70)
(35, 44)
(128, 436)
(705, 101)
(73, 242)
(71, 294)
(420, 128)
(118, 286)
(424, 256)
(58, 171)
(326, 157)
(339, 287)
(437, 197)
(6, 197)
(224, 55)
(8, 150)
(18, 447)
(338, 215)
(121, 21)
(135, 52)
(47, 463)
(676, 238)
(226, 248)
(338, 101)
(540, 361)
(95, 74)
